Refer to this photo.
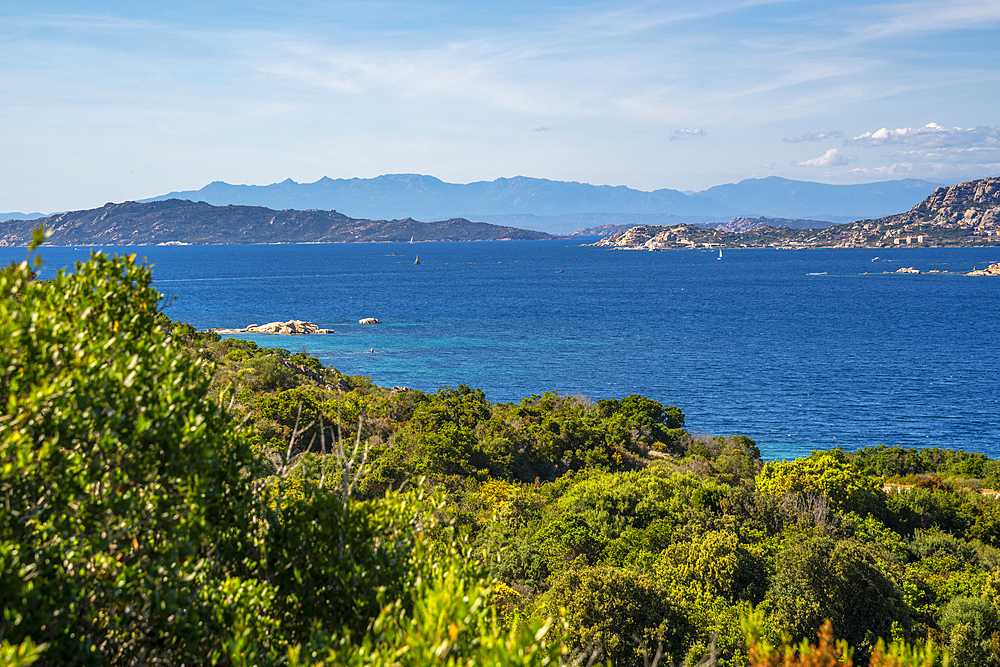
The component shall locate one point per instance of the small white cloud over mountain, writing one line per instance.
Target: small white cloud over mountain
(815, 136)
(831, 158)
(931, 135)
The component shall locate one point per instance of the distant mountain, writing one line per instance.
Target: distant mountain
(431, 198)
(560, 206)
(21, 216)
(782, 198)
(603, 230)
(181, 221)
(573, 223)
(738, 224)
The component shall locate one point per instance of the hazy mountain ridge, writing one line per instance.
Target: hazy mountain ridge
(965, 214)
(427, 197)
(17, 215)
(182, 221)
(783, 198)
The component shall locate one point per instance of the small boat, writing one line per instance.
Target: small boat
(417, 260)
(411, 239)
(720, 254)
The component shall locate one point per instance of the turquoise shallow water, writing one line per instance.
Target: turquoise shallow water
(753, 344)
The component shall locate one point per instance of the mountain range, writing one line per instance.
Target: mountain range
(560, 207)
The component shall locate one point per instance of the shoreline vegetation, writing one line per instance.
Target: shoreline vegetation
(173, 497)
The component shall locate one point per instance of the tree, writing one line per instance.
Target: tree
(618, 613)
(122, 487)
(972, 626)
(818, 579)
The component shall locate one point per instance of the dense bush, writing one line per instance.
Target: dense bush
(170, 496)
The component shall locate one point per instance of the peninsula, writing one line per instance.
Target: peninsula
(178, 222)
(967, 214)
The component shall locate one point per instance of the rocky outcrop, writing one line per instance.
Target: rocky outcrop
(291, 328)
(908, 269)
(991, 270)
(970, 204)
(649, 237)
(370, 320)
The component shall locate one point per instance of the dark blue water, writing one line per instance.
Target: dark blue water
(752, 344)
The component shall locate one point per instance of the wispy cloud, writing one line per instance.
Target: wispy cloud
(831, 158)
(684, 133)
(931, 135)
(542, 129)
(815, 136)
(903, 18)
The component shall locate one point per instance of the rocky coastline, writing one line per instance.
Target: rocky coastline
(963, 215)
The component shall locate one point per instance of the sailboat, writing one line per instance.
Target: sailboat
(417, 260)
(411, 239)
(720, 254)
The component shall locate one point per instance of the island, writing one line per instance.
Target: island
(289, 328)
(182, 222)
(967, 214)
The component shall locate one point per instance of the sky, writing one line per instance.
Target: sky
(122, 100)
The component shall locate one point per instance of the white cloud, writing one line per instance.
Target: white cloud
(931, 135)
(831, 158)
(815, 136)
(684, 133)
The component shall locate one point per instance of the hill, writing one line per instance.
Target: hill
(561, 207)
(967, 214)
(181, 221)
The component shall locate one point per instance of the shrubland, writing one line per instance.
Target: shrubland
(172, 497)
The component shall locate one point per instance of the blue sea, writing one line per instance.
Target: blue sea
(799, 350)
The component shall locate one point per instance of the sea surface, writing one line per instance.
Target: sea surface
(799, 350)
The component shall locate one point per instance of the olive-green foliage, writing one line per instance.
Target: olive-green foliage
(122, 486)
(328, 558)
(271, 372)
(818, 578)
(642, 421)
(972, 626)
(441, 434)
(618, 613)
(898, 461)
(548, 435)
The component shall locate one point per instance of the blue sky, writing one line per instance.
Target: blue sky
(108, 101)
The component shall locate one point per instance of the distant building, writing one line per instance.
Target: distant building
(909, 240)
